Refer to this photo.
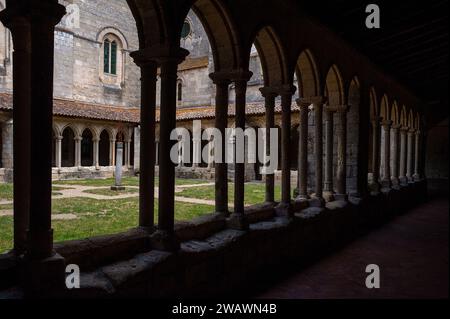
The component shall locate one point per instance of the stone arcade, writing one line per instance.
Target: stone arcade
(364, 182)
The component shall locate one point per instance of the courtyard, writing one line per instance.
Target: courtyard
(88, 207)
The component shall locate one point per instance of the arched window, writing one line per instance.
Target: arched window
(187, 29)
(180, 91)
(110, 57)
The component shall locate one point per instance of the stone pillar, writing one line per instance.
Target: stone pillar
(402, 173)
(222, 83)
(96, 141)
(165, 238)
(304, 105)
(58, 149)
(285, 206)
(269, 96)
(7, 147)
(341, 176)
(375, 185)
(112, 152)
(329, 141)
(317, 199)
(180, 151)
(238, 219)
(417, 176)
(32, 24)
(410, 156)
(148, 153)
(78, 140)
(210, 154)
(196, 151)
(386, 182)
(157, 153)
(395, 156)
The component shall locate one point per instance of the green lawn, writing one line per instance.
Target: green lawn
(254, 193)
(109, 192)
(6, 191)
(97, 217)
(126, 181)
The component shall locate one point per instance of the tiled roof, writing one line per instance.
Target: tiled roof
(77, 109)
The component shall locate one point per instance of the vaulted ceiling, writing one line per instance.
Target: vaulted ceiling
(411, 45)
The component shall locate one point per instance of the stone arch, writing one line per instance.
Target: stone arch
(403, 117)
(307, 75)
(68, 147)
(104, 148)
(334, 87)
(374, 109)
(220, 30)
(384, 108)
(353, 134)
(87, 148)
(394, 114)
(411, 119)
(417, 121)
(272, 56)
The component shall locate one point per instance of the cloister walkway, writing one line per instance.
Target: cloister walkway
(411, 251)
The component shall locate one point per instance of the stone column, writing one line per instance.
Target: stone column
(341, 176)
(410, 156)
(317, 199)
(238, 219)
(269, 96)
(165, 238)
(32, 24)
(96, 141)
(78, 140)
(375, 185)
(196, 151)
(304, 105)
(210, 154)
(417, 176)
(112, 152)
(148, 153)
(58, 149)
(157, 153)
(402, 173)
(285, 206)
(329, 141)
(386, 182)
(395, 156)
(7, 147)
(222, 83)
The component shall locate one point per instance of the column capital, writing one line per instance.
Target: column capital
(303, 103)
(268, 92)
(59, 138)
(19, 11)
(221, 77)
(411, 131)
(143, 59)
(96, 139)
(386, 123)
(240, 76)
(78, 138)
(376, 120)
(161, 54)
(404, 129)
(418, 132)
(287, 89)
(396, 126)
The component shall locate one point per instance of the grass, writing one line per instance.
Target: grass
(126, 181)
(6, 191)
(97, 217)
(254, 193)
(109, 192)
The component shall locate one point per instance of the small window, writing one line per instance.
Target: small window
(186, 31)
(180, 91)
(110, 57)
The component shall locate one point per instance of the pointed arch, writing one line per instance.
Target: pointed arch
(394, 114)
(384, 108)
(334, 86)
(403, 117)
(374, 110)
(411, 119)
(307, 75)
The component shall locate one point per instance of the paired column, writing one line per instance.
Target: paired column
(148, 148)
(96, 152)
(329, 134)
(238, 219)
(58, 151)
(78, 140)
(318, 151)
(165, 237)
(112, 152)
(222, 82)
(304, 105)
(341, 182)
(375, 186)
(32, 24)
(403, 156)
(386, 182)
(269, 97)
(395, 156)
(417, 175)
(410, 156)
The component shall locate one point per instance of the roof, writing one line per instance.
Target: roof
(77, 109)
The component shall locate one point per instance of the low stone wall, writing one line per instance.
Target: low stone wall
(215, 260)
(69, 173)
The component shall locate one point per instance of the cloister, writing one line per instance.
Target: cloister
(366, 151)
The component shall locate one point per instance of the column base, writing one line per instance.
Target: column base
(225, 214)
(117, 188)
(238, 222)
(341, 197)
(417, 178)
(374, 188)
(395, 183)
(403, 181)
(44, 278)
(316, 201)
(284, 209)
(165, 241)
(302, 198)
(328, 196)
